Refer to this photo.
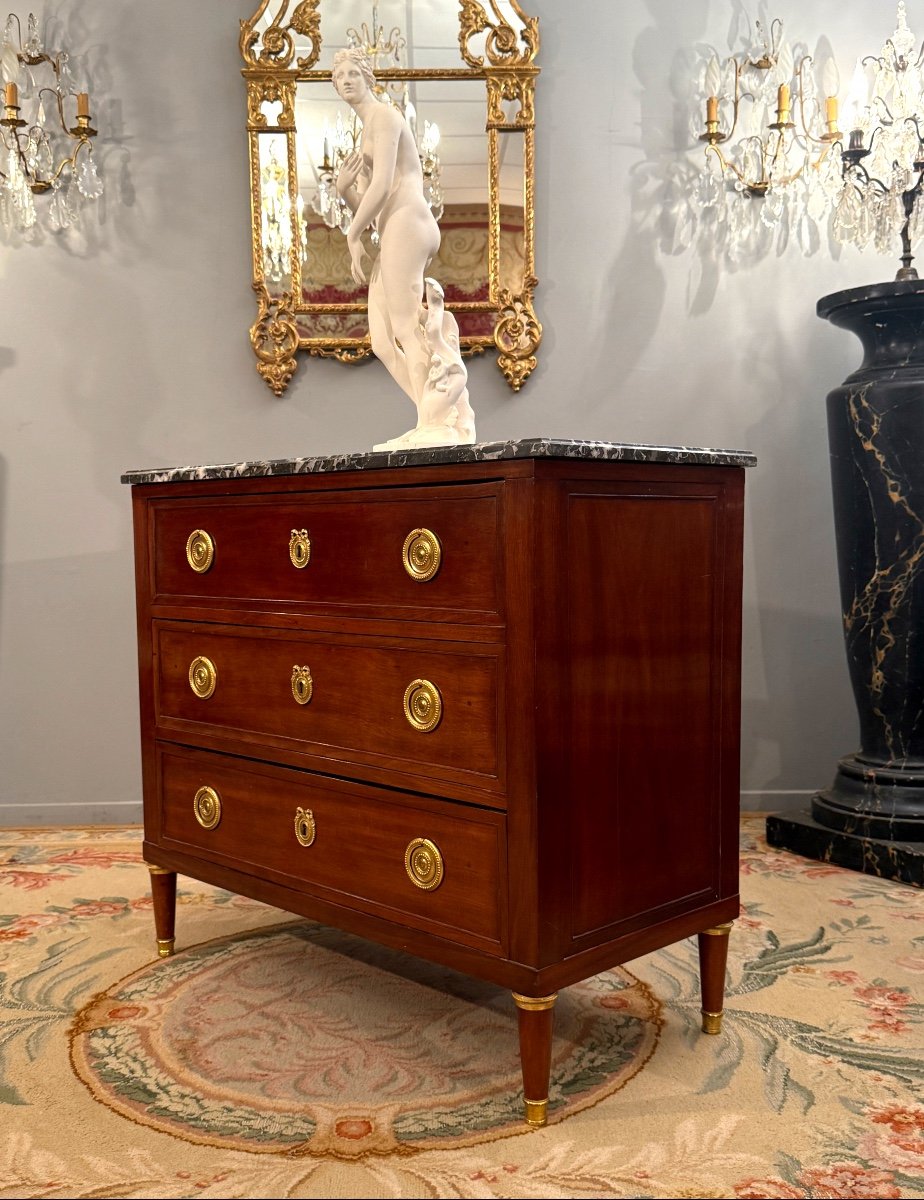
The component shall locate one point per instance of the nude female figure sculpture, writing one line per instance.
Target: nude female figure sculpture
(382, 183)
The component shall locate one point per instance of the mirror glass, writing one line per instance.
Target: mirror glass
(472, 115)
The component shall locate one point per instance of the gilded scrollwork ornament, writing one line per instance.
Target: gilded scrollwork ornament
(344, 354)
(274, 337)
(270, 90)
(517, 335)
(504, 45)
(515, 85)
(275, 46)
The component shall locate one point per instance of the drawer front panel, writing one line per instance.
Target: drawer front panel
(348, 700)
(332, 551)
(358, 840)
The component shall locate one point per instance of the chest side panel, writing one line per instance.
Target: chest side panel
(652, 721)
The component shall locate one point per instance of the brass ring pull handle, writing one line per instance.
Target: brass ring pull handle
(200, 551)
(305, 826)
(423, 705)
(203, 677)
(300, 548)
(302, 684)
(421, 555)
(424, 864)
(207, 807)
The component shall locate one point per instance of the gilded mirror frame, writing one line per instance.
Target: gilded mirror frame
(273, 68)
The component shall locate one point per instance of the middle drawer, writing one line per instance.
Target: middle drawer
(409, 714)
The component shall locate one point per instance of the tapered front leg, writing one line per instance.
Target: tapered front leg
(713, 956)
(163, 891)
(535, 1015)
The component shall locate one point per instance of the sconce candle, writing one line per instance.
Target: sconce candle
(11, 95)
(83, 104)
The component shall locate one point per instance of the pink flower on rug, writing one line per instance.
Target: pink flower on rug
(844, 903)
(822, 872)
(843, 976)
(902, 1152)
(900, 1119)
(886, 1005)
(30, 880)
(849, 1181)
(24, 927)
(767, 1189)
(96, 858)
(901, 1147)
(142, 902)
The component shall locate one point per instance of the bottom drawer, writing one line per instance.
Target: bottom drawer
(429, 864)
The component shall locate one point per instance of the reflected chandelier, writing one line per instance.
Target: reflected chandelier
(43, 85)
(276, 214)
(344, 138)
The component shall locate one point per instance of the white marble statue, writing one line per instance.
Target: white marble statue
(382, 183)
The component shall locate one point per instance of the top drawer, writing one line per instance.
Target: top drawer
(418, 553)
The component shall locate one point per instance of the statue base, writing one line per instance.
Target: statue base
(444, 414)
(428, 435)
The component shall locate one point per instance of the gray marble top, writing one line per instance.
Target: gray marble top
(370, 460)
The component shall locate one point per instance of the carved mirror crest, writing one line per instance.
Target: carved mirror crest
(464, 74)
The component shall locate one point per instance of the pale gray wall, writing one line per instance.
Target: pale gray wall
(129, 348)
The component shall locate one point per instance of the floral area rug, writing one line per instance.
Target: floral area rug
(274, 1057)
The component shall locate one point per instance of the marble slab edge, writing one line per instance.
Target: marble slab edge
(439, 455)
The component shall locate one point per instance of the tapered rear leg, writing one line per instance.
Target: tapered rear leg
(713, 957)
(535, 1014)
(163, 891)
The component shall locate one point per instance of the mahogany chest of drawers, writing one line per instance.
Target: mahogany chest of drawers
(478, 704)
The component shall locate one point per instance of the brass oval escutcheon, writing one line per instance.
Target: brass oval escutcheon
(207, 807)
(300, 548)
(305, 826)
(422, 554)
(424, 864)
(302, 684)
(203, 677)
(200, 551)
(423, 705)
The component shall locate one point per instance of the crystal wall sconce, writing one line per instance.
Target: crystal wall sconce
(771, 135)
(45, 135)
(774, 137)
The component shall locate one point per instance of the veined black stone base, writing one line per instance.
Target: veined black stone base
(799, 832)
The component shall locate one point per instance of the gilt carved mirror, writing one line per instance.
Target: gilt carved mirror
(464, 74)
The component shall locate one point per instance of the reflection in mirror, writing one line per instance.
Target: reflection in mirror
(463, 74)
(276, 213)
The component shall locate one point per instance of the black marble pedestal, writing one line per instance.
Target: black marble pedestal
(902, 862)
(871, 818)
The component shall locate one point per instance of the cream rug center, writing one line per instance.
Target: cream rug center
(305, 1040)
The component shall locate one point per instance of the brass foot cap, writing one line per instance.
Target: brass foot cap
(712, 1021)
(536, 1112)
(165, 947)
